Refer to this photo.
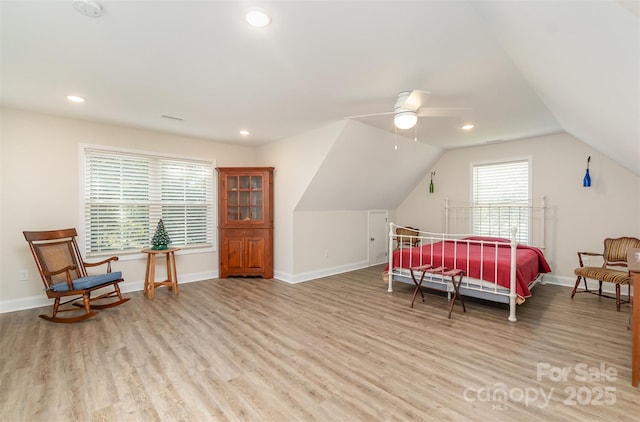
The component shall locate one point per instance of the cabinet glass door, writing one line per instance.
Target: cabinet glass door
(232, 198)
(256, 197)
(244, 198)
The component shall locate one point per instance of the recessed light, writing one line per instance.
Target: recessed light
(244, 132)
(257, 18)
(467, 126)
(88, 8)
(75, 99)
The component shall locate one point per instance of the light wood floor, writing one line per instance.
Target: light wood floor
(335, 349)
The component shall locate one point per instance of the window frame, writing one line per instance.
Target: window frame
(524, 201)
(136, 254)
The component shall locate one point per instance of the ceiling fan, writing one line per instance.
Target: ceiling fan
(410, 105)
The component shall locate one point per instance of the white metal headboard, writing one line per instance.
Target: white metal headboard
(498, 220)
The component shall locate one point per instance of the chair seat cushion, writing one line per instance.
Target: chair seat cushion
(88, 282)
(603, 274)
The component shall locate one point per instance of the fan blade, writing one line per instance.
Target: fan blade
(442, 111)
(361, 116)
(416, 99)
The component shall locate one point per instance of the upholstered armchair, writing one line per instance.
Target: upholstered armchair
(612, 270)
(407, 237)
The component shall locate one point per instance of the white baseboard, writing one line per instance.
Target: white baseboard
(325, 272)
(22, 303)
(608, 288)
(39, 301)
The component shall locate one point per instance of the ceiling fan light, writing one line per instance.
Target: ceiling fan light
(257, 17)
(405, 119)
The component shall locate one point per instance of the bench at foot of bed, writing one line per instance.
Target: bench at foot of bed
(444, 272)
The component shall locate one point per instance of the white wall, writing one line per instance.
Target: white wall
(577, 218)
(363, 170)
(329, 242)
(325, 182)
(39, 190)
(39, 187)
(296, 161)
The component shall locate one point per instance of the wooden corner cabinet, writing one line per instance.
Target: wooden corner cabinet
(245, 221)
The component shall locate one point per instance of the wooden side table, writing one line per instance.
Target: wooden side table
(172, 278)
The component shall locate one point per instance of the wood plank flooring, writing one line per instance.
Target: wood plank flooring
(335, 349)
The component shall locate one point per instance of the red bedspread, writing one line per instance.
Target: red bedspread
(478, 260)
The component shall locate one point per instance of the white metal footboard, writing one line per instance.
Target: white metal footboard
(469, 286)
(522, 222)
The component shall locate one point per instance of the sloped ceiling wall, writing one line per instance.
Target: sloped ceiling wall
(364, 171)
(587, 74)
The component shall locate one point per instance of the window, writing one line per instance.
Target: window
(126, 193)
(505, 185)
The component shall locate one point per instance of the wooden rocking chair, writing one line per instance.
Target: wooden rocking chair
(65, 276)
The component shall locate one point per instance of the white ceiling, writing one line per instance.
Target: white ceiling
(523, 68)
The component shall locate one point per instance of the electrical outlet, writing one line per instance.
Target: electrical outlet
(23, 275)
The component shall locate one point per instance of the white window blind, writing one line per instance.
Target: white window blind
(126, 194)
(505, 187)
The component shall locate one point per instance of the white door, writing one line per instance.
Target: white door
(378, 236)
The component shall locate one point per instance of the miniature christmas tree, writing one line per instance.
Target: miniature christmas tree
(161, 238)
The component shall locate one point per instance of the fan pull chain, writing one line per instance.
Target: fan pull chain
(396, 137)
(415, 133)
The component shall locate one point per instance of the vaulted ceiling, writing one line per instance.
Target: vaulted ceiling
(522, 68)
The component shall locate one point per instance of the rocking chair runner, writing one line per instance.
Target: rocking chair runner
(65, 276)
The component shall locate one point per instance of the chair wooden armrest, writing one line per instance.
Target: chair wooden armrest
(60, 271)
(66, 270)
(104, 261)
(581, 254)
